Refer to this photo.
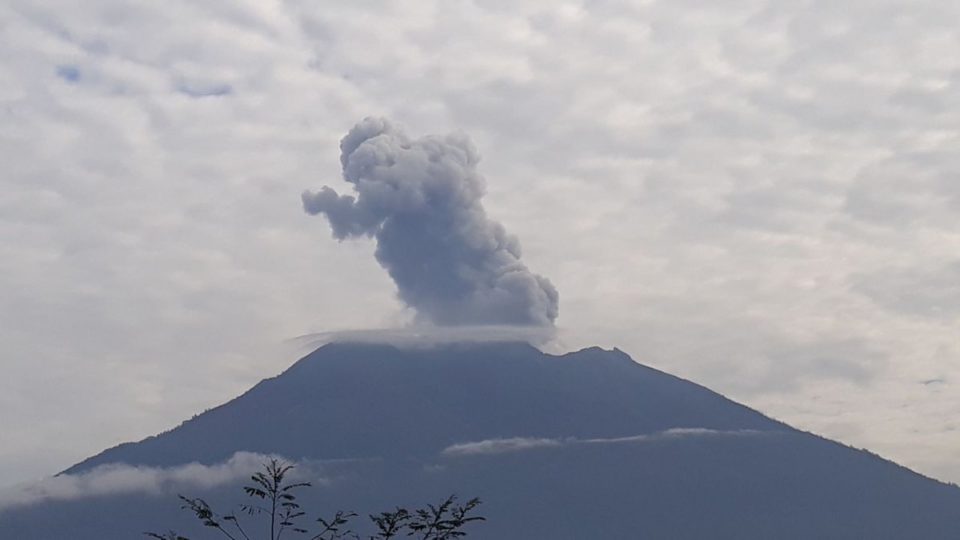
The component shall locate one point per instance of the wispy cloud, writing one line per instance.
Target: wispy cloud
(116, 479)
(425, 335)
(501, 446)
(519, 444)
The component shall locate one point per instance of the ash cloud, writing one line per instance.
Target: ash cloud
(421, 199)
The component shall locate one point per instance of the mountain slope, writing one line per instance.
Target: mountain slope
(584, 445)
(359, 401)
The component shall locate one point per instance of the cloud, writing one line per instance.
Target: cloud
(929, 290)
(421, 200)
(500, 446)
(119, 479)
(149, 252)
(520, 444)
(913, 188)
(427, 335)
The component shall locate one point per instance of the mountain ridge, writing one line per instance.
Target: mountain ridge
(331, 357)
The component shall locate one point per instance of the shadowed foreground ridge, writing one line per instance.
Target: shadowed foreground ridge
(584, 445)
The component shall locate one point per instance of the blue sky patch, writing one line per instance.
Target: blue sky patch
(68, 73)
(202, 91)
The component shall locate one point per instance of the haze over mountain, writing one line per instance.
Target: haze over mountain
(583, 445)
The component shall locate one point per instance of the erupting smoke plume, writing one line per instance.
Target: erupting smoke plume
(421, 200)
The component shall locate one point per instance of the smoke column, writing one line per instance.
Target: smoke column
(421, 200)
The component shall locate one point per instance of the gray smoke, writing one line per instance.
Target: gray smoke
(421, 200)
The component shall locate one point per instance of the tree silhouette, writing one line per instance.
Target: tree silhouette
(274, 497)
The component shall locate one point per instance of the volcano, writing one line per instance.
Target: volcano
(589, 444)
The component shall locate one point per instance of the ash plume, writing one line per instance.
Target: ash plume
(421, 199)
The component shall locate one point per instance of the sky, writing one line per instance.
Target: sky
(758, 195)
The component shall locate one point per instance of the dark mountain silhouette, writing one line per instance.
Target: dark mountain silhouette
(584, 445)
(357, 401)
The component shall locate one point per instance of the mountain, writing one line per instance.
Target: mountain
(585, 445)
(360, 401)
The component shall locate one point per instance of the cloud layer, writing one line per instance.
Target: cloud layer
(421, 200)
(756, 194)
(119, 479)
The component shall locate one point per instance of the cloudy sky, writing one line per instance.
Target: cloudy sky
(758, 195)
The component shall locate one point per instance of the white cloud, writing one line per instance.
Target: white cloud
(519, 444)
(500, 446)
(119, 479)
(421, 335)
(930, 291)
